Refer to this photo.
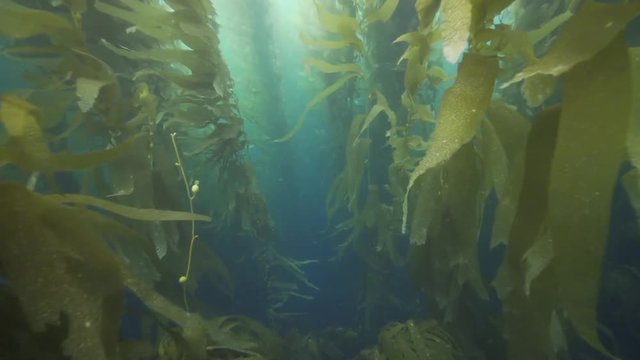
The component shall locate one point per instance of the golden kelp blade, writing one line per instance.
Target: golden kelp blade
(456, 27)
(329, 68)
(385, 11)
(29, 150)
(333, 22)
(527, 317)
(127, 211)
(323, 44)
(589, 152)
(512, 129)
(314, 102)
(588, 32)
(463, 108)
(382, 105)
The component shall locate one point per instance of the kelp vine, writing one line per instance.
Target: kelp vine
(528, 140)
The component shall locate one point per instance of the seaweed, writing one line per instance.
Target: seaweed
(462, 110)
(384, 12)
(527, 318)
(417, 340)
(456, 27)
(337, 85)
(28, 148)
(594, 26)
(579, 200)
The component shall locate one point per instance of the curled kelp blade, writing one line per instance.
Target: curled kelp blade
(314, 102)
(594, 26)
(127, 211)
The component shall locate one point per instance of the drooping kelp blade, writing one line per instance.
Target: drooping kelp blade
(512, 130)
(323, 44)
(589, 152)
(526, 317)
(382, 105)
(128, 211)
(456, 27)
(58, 265)
(14, 23)
(314, 102)
(329, 68)
(463, 107)
(29, 150)
(589, 31)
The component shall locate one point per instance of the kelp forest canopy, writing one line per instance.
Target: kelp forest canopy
(487, 151)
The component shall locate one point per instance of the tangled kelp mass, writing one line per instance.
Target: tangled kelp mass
(474, 162)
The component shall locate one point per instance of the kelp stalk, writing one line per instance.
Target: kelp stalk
(191, 195)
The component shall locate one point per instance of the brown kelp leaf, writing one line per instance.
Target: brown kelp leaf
(329, 68)
(532, 340)
(383, 13)
(426, 10)
(495, 159)
(58, 264)
(588, 32)
(457, 16)
(463, 108)
(343, 24)
(127, 211)
(146, 18)
(381, 105)
(335, 22)
(538, 257)
(591, 135)
(512, 129)
(20, 22)
(196, 62)
(323, 44)
(29, 149)
(314, 102)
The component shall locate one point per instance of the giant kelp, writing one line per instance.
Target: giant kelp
(101, 112)
(457, 158)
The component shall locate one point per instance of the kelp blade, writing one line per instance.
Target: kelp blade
(30, 150)
(456, 27)
(128, 211)
(588, 32)
(463, 108)
(593, 126)
(314, 102)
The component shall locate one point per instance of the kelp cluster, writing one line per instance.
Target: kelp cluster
(524, 147)
(129, 109)
(411, 340)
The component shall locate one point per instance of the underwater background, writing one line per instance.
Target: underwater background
(319, 179)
